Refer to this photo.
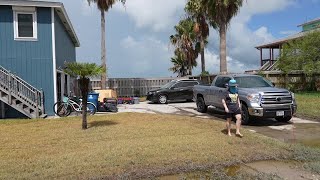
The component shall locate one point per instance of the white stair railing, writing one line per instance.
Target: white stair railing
(21, 91)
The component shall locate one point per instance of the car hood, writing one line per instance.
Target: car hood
(157, 89)
(261, 89)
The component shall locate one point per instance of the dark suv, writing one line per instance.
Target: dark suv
(174, 90)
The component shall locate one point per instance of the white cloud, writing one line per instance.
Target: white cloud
(144, 57)
(159, 15)
(241, 40)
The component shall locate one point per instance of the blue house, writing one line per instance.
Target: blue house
(36, 39)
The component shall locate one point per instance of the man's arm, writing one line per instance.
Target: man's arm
(225, 105)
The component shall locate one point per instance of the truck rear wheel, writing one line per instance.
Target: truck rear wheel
(201, 105)
(245, 115)
(284, 119)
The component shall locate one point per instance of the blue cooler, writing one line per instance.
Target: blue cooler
(93, 97)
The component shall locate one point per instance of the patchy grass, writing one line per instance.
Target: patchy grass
(309, 156)
(308, 105)
(124, 143)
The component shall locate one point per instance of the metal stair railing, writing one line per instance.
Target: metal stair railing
(22, 91)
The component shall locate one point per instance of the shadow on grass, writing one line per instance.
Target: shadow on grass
(101, 123)
(233, 131)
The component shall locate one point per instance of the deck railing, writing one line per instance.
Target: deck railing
(23, 91)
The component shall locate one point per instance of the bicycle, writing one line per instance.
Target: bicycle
(68, 105)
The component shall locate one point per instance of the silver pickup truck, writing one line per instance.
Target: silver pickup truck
(258, 97)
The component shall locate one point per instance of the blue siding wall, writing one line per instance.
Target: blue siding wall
(31, 60)
(65, 49)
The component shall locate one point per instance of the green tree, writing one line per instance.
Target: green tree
(185, 42)
(179, 64)
(104, 6)
(221, 12)
(83, 71)
(196, 11)
(302, 54)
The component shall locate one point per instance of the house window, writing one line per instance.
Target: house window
(25, 23)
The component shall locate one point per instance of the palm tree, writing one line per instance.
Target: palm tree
(185, 42)
(196, 11)
(179, 64)
(83, 71)
(221, 12)
(104, 6)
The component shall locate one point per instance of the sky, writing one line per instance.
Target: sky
(137, 34)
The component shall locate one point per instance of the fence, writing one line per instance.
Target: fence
(294, 81)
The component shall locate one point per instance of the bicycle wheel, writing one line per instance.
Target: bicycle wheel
(62, 109)
(91, 108)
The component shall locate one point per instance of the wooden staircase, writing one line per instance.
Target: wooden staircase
(20, 95)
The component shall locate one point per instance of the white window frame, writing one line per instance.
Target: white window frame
(24, 10)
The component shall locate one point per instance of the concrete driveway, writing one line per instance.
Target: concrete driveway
(297, 130)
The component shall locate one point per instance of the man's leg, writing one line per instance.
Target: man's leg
(238, 124)
(228, 124)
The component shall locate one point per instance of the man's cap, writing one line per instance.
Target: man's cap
(233, 83)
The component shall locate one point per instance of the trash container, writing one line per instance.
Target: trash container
(135, 100)
(93, 97)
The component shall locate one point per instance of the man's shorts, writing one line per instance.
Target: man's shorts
(233, 114)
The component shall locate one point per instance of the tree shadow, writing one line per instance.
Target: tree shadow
(101, 123)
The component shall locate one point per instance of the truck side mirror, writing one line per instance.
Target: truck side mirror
(226, 85)
(273, 84)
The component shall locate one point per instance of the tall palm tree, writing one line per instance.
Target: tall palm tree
(185, 42)
(196, 11)
(83, 71)
(179, 64)
(104, 6)
(221, 12)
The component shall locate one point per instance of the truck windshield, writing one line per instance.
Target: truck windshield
(252, 82)
(168, 85)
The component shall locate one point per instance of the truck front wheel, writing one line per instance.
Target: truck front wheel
(201, 105)
(245, 114)
(284, 119)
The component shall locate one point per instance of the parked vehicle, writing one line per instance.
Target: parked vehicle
(68, 105)
(174, 90)
(258, 97)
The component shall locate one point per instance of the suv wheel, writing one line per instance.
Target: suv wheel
(163, 99)
(201, 105)
(245, 115)
(284, 119)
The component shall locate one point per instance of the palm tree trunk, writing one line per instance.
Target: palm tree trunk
(223, 49)
(190, 66)
(84, 87)
(203, 65)
(103, 49)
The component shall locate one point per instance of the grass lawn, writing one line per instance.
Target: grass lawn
(124, 143)
(308, 105)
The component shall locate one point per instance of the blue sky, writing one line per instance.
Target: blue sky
(138, 35)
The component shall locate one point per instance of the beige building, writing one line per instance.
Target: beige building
(127, 87)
